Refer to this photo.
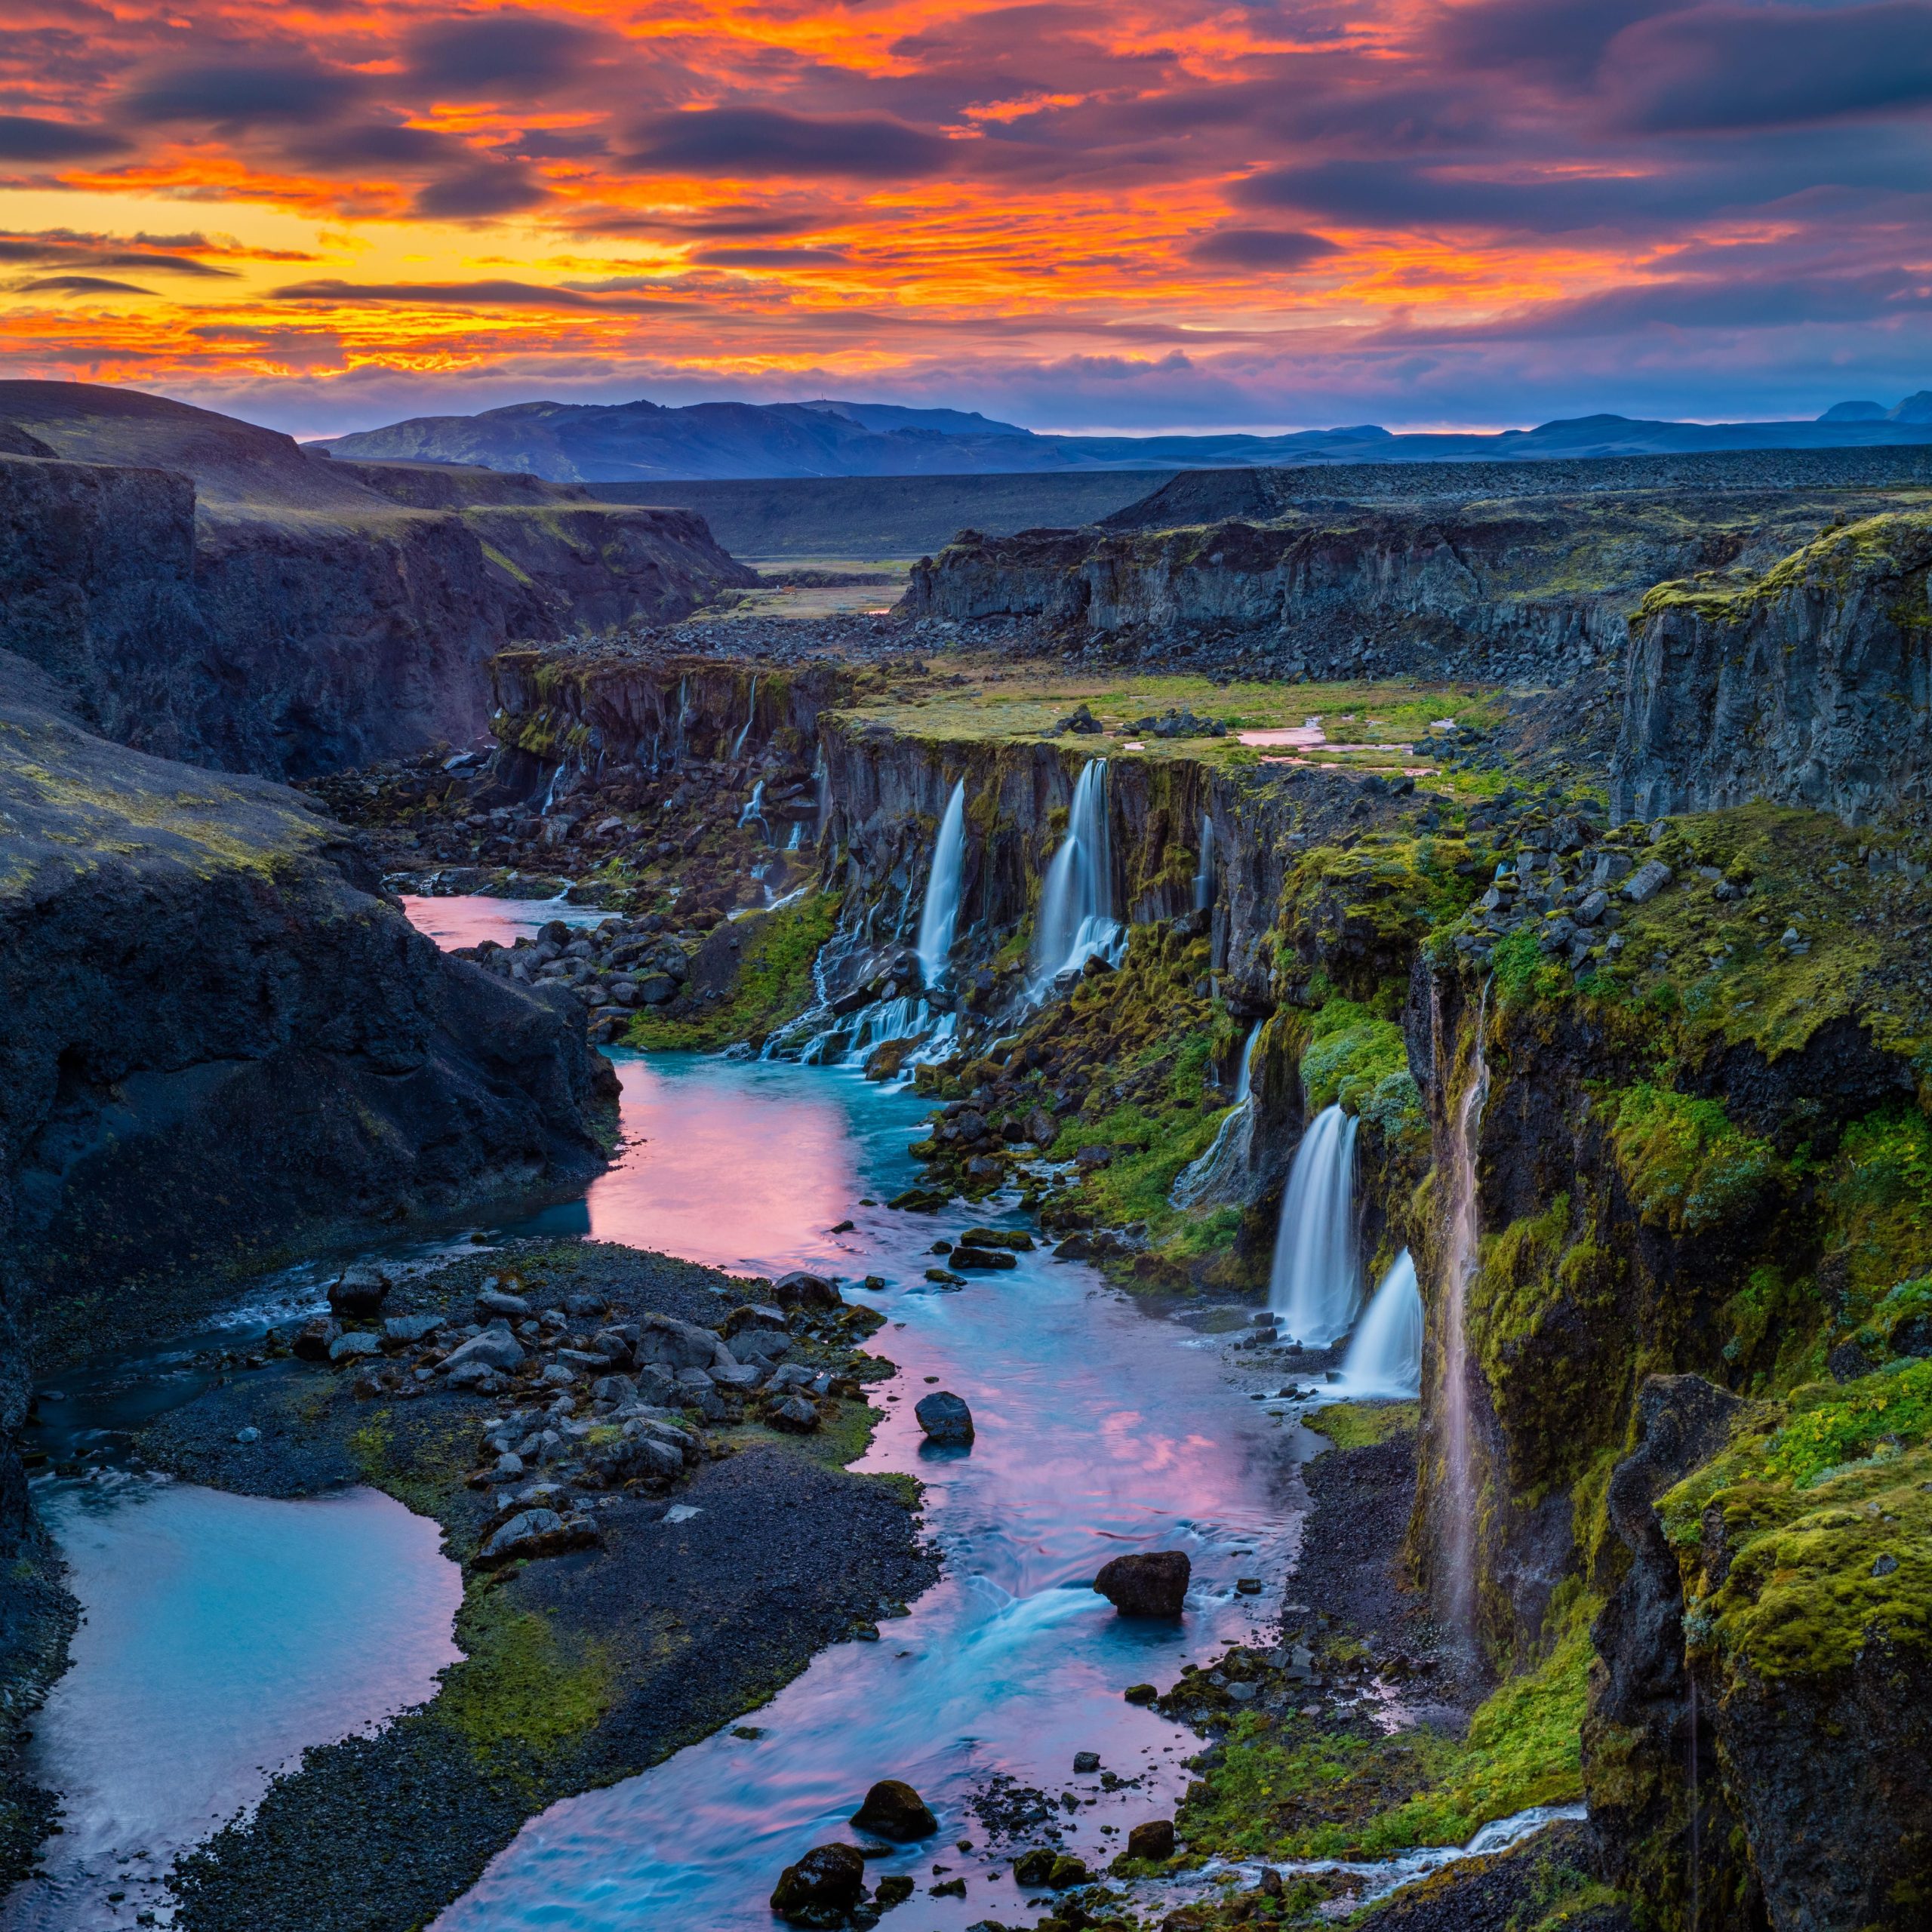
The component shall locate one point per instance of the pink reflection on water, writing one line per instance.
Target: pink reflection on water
(751, 1175)
(466, 921)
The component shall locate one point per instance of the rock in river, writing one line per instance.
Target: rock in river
(800, 1289)
(1153, 1841)
(945, 1417)
(894, 1809)
(1153, 1583)
(822, 1886)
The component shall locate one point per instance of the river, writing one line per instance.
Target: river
(1102, 1427)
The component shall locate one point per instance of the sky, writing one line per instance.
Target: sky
(1082, 215)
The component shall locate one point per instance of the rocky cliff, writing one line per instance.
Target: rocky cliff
(1531, 584)
(209, 592)
(1810, 684)
(221, 1043)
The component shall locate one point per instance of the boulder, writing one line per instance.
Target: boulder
(802, 1289)
(315, 1337)
(635, 1457)
(536, 1532)
(495, 1348)
(1149, 1583)
(945, 1417)
(359, 1291)
(493, 1302)
(966, 1255)
(405, 1331)
(894, 1809)
(677, 1345)
(355, 1347)
(1153, 1841)
(753, 1315)
(824, 1884)
(1034, 1867)
(794, 1414)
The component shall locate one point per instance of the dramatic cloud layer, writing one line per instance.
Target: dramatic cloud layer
(1083, 214)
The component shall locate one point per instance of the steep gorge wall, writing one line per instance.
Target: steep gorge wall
(221, 1043)
(1811, 686)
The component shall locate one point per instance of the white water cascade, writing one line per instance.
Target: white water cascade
(1314, 1285)
(1076, 920)
(754, 811)
(939, 916)
(1458, 1518)
(750, 719)
(1203, 880)
(1385, 1358)
(1219, 1170)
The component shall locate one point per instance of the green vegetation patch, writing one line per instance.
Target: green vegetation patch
(1811, 1535)
(773, 983)
(1687, 1166)
(1350, 1053)
(1362, 1425)
(522, 1687)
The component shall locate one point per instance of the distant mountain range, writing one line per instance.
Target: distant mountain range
(632, 442)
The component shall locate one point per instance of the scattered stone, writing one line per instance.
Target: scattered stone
(356, 1346)
(537, 1532)
(795, 1415)
(945, 1417)
(827, 1880)
(360, 1291)
(801, 1289)
(496, 1301)
(1067, 1872)
(1647, 881)
(1140, 1693)
(1085, 1761)
(248, 1435)
(1035, 1865)
(314, 1339)
(964, 1256)
(495, 1348)
(891, 1891)
(894, 1809)
(1149, 1583)
(405, 1331)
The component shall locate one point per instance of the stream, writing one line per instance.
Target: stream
(214, 1624)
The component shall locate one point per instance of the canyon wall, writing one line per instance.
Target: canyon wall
(222, 1046)
(209, 592)
(1810, 685)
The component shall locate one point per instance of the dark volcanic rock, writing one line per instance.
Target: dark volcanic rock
(1153, 1841)
(1151, 1583)
(821, 1887)
(894, 1809)
(945, 1417)
(219, 1041)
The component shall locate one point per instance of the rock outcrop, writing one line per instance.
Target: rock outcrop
(221, 1042)
(210, 592)
(1810, 685)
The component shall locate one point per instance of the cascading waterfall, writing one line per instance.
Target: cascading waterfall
(940, 915)
(1385, 1358)
(684, 713)
(797, 837)
(1227, 1157)
(1459, 1511)
(754, 811)
(1315, 1284)
(1076, 920)
(751, 718)
(1203, 880)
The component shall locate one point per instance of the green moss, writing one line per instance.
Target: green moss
(522, 1686)
(1349, 1055)
(1362, 1425)
(773, 984)
(1687, 1166)
(1878, 1192)
(1894, 1406)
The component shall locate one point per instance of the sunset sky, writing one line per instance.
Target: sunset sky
(1076, 215)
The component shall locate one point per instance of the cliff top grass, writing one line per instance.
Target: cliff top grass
(1370, 724)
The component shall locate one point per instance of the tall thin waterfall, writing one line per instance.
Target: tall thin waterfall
(750, 719)
(754, 811)
(1203, 880)
(1385, 1358)
(1315, 1284)
(1459, 1500)
(1226, 1158)
(940, 915)
(1076, 918)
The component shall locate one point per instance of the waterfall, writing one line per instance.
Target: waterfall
(1076, 920)
(549, 797)
(751, 718)
(1459, 1516)
(1203, 880)
(754, 811)
(797, 837)
(1313, 1286)
(678, 742)
(1221, 1167)
(941, 913)
(1385, 1358)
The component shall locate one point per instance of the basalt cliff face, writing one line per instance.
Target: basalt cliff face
(1810, 684)
(209, 592)
(221, 1043)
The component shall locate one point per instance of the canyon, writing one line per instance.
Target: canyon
(1453, 949)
